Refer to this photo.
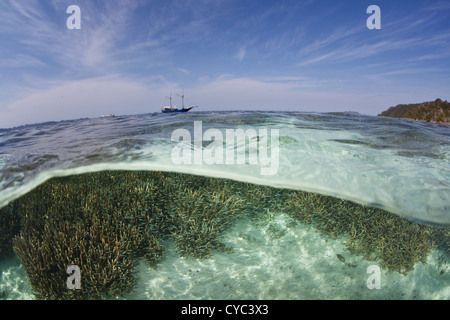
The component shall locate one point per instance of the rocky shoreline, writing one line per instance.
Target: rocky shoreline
(437, 111)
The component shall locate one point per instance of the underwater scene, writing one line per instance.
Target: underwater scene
(226, 206)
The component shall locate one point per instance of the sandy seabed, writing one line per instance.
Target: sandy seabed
(272, 258)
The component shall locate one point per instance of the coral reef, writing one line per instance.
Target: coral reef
(376, 234)
(195, 212)
(199, 219)
(104, 221)
(93, 231)
(9, 228)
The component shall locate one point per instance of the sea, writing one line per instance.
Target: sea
(232, 205)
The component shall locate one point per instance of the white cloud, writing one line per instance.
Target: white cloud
(352, 51)
(241, 54)
(185, 71)
(432, 56)
(118, 95)
(31, 27)
(21, 61)
(115, 41)
(296, 94)
(84, 98)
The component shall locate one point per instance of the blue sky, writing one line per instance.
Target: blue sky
(312, 55)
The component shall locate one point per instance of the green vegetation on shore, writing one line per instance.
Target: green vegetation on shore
(437, 111)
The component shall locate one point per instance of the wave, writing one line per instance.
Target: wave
(401, 166)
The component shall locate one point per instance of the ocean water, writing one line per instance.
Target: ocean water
(314, 211)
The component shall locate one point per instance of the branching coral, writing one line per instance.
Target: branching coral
(9, 228)
(378, 235)
(79, 221)
(199, 220)
(104, 221)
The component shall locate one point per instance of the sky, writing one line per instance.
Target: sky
(283, 55)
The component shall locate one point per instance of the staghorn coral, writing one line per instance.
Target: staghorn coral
(104, 221)
(191, 211)
(80, 221)
(9, 228)
(105, 268)
(199, 220)
(374, 233)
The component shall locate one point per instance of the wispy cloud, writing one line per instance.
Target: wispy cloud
(283, 93)
(20, 61)
(227, 52)
(241, 54)
(36, 32)
(407, 34)
(345, 51)
(438, 6)
(336, 37)
(444, 55)
(382, 76)
(85, 98)
(185, 71)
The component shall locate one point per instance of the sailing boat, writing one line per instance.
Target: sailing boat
(173, 109)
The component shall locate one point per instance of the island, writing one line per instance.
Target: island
(437, 111)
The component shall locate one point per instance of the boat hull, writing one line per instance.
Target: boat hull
(175, 111)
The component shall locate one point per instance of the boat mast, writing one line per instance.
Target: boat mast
(182, 99)
(170, 97)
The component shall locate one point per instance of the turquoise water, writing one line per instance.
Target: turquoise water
(399, 166)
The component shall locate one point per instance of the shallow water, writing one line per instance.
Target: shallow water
(400, 165)
(282, 259)
(271, 247)
(275, 258)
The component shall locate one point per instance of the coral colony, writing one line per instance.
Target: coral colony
(103, 222)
